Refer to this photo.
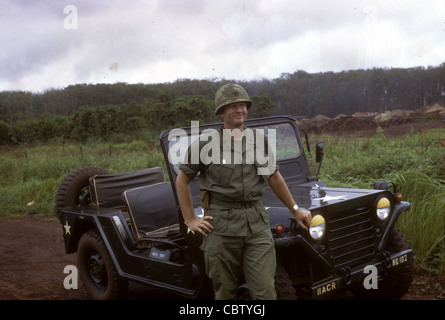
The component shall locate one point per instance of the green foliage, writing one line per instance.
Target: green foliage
(5, 133)
(263, 106)
(108, 112)
(299, 93)
(425, 222)
(111, 122)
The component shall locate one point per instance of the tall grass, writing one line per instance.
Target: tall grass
(415, 162)
(30, 176)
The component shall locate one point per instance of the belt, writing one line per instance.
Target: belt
(234, 204)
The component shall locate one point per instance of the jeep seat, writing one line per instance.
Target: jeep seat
(152, 210)
(106, 189)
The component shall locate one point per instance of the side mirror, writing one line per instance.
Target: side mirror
(319, 152)
(318, 156)
(307, 143)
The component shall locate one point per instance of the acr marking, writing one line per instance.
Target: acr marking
(326, 288)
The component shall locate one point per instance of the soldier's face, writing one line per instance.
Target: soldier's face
(234, 115)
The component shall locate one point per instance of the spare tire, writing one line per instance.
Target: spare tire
(74, 191)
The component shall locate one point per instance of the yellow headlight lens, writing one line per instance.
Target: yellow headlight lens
(316, 220)
(317, 227)
(383, 203)
(383, 209)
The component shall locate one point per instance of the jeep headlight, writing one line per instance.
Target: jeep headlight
(383, 208)
(317, 227)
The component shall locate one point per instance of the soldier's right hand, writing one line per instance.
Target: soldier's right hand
(201, 225)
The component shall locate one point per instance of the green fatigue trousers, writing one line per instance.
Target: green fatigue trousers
(227, 256)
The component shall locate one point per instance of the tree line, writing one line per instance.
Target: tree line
(102, 111)
(119, 122)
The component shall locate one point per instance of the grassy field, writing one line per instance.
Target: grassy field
(415, 162)
(31, 175)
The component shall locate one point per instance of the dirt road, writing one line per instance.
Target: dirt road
(32, 262)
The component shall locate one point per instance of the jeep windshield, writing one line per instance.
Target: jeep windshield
(282, 135)
(289, 151)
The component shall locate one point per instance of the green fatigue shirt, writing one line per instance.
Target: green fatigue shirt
(229, 171)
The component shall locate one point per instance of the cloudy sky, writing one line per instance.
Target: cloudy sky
(55, 43)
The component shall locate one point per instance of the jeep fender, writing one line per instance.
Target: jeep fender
(398, 209)
(74, 226)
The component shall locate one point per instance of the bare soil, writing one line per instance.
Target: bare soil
(32, 262)
(367, 126)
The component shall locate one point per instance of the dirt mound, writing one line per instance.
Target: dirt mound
(368, 122)
(361, 115)
(320, 119)
(339, 124)
(346, 124)
(391, 115)
(436, 111)
(395, 122)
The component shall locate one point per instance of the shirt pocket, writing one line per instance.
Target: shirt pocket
(264, 215)
(221, 174)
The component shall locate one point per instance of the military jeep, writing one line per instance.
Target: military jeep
(128, 227)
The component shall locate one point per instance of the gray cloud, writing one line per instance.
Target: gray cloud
(159, 41)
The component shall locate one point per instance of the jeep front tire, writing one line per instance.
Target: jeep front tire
(395, 282)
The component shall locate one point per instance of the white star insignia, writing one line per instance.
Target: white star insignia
(328, 198)
(67, 227)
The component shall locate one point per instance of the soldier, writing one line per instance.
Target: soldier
(235, 226)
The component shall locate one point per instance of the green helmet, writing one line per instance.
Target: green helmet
(230, 93)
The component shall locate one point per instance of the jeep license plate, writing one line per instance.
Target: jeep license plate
(399, 260)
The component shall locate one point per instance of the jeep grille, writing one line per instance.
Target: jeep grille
(351, 237)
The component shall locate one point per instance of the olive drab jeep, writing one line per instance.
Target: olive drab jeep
(128, 227)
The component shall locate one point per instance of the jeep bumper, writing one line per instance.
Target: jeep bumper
(356, 276)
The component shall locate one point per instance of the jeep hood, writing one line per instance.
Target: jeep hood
(316, 196)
